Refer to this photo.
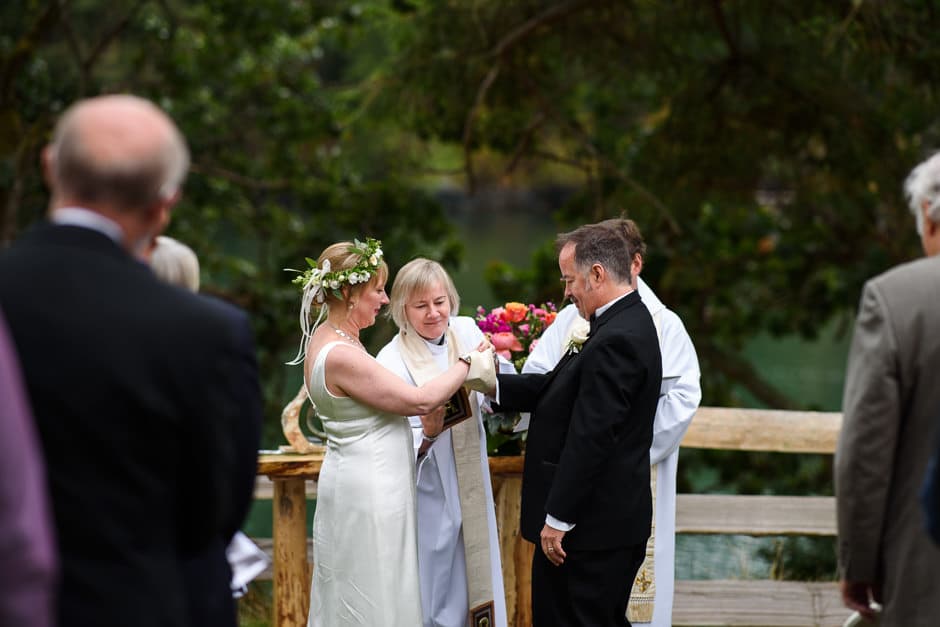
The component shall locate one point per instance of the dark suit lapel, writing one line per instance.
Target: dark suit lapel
(562, 363)
(627, 301)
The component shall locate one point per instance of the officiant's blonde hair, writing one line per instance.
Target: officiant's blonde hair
(416, 275)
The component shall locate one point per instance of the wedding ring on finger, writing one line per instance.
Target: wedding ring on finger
(551, 549)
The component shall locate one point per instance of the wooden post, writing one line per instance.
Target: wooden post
(292, 569)
(506, 474)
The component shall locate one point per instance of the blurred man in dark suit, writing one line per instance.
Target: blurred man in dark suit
(130, 379)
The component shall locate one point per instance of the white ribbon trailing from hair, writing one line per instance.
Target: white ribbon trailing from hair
(313, 292)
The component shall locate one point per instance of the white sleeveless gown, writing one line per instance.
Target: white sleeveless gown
(365, 556)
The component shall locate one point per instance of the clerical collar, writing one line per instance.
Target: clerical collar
(85, 218)
(440, 341)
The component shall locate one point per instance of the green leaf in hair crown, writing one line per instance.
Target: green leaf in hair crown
(321, 278)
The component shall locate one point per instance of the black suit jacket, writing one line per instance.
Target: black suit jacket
(587, 452)
(208, 575)
(131, 385)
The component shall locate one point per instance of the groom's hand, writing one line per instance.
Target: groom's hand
(550, 539)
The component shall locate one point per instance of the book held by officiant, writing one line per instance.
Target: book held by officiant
(457, 408)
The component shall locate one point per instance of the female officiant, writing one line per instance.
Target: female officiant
(458, 547)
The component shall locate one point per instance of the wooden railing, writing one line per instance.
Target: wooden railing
(763, 603)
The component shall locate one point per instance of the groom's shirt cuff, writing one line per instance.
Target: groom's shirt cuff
(554, 523)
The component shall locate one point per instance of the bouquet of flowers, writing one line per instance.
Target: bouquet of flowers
(514, 330)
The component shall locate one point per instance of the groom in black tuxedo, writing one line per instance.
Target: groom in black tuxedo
(137, 387)
(586, 497)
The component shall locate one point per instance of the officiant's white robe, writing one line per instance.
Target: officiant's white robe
(677, 405)
(442, 565)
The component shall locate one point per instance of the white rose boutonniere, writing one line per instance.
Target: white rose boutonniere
(577, 335)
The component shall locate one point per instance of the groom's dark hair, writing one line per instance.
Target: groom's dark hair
(604, 243)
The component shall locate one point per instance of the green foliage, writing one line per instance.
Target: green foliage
(760, 146)
(273, 98)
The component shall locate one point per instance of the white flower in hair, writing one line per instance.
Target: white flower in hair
(318, 278)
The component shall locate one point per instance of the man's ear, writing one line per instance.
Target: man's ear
(47, 160)
(161, 212)
(597, 272)
(930, 227)
(635, 269)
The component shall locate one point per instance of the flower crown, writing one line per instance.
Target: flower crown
(315, 280)
(370, 255)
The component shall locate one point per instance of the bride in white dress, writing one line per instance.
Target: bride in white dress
(365, 558)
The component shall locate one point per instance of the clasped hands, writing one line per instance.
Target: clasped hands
(483, 367)
(480, 377)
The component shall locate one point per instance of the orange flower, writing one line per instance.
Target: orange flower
(515, 312)
(549, 318)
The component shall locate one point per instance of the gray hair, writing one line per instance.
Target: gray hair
(416, 275)
(147, 166)
(921, 187)
(601, 244)
(175, 263)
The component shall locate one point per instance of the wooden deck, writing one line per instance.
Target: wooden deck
(758, 603)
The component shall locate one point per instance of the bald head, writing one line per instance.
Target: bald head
(120, 152)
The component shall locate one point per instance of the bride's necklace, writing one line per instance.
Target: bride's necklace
(346, 336)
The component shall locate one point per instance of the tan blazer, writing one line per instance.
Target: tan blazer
(890, 406)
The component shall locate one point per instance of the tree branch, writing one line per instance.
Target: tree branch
(549, 15)
(239, 179)
(524, 143)
(468, 125)
(26, 46)
(25, 159)
(77, 55)
(608, 165)
(550, 156)
(719, 15)
(115, 30)
(505, 44)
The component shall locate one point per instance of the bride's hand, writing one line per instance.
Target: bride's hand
(433, 422)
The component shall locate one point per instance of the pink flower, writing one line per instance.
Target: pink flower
(504, 343)
(524, 329)
(533, 345)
